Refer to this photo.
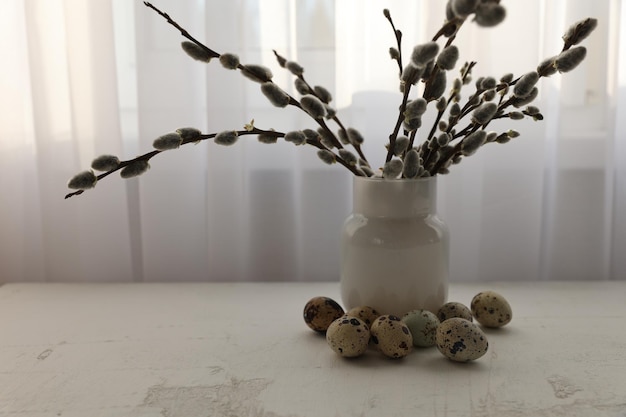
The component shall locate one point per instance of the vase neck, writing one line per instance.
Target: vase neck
(376, 197)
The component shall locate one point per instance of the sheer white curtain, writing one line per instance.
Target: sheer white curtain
(85, 77)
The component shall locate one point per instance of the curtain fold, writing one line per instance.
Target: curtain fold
(85, 78)
(616, 173)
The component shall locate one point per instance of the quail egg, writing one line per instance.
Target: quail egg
(319, 312)
(365, 313)
(348, 336)
(391, 336)
(454, 309)
(491, 309)
(461, 340)
(423, 326)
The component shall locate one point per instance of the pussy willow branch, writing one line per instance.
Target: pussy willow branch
(182, 30)
(473, 103)
(144, 157)
(292, 101)
(254, 131)
(448, 29)
(398, 36)
(396, 129)
(149, 155)
(186, 34)
(356, 146)
(427, 151)
(469, 129)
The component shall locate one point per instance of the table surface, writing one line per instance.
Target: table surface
(244, 350)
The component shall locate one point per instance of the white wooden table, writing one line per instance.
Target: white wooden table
(240, 350)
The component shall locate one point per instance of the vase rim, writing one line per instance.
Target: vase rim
(408, 197)
(380, 179)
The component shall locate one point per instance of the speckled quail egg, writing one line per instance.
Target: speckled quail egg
(365, 313)
(491, 309)
(319, 312)
(391, 336)
(423, 327)
(461, 340)
(454, 309)
(348, 336)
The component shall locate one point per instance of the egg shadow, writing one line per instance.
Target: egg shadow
(436, 364)
(373, 359)
(497, 331)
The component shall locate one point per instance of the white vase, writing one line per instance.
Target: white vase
(394, 248)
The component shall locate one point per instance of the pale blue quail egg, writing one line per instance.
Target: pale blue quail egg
(423, 326)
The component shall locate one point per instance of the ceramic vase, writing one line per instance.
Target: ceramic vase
(394, 247)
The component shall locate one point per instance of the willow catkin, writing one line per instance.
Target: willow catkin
(525, 84)
(105, 163)
(301, 87)
(323, 94)
(297, 137)
(267, 138)
(411, 168)
(275, 94)
(226, 138)
(436, 89)
(484, 113)
(196, 52)
(135, 169)
(392, 168)
(401, 145)
(415, 108)
(168, 141)
(257, 73)
(83, 181)
(568, 60)
(522, 101)
(354, 136)
(350, 158)
(489, 14)
(424, 53)
(448, 57)
(229, 61)
(313, 106)
(546, 67)
(473, 141)
(579, 31)
(189, 133)
(295, 68)
(326, 156)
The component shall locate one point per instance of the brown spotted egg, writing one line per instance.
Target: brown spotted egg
(319, 312)
(365, 313)
(391, 336)
(348, 336)
(491, 309)
(461, 340)
(454, 309)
